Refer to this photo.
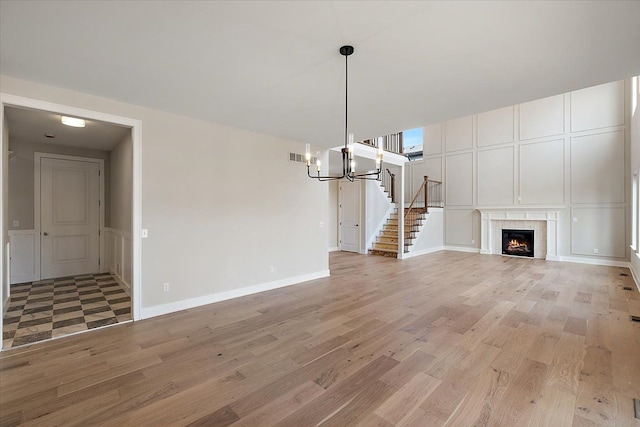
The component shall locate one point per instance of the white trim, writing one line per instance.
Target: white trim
(123, 284)
(423, 252)
(125, 237)
(159, 310)
(636, 279)
(136, 137)
(124, 234)
(550, 215)
(379, 227)
(593, 261)
(334, 249)
(37, 162)
(401, 202)
(461, 249)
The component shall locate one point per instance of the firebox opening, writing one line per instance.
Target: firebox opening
(517, 242)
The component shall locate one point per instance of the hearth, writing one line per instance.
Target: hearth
(517, 242)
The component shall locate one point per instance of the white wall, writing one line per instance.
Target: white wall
(634, 130)
(222, 205)
(21, 165)
(333, 214)
(431, 237)
(566, 151)
(377, 208)
(118, 244)
(5, 252)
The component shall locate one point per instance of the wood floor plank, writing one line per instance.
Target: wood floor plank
(282, 406)
(520, 398)
(408, 397)
(447, 338)
(340, 395)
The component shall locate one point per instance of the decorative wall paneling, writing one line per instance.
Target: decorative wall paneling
(568, 150)
(23, 256)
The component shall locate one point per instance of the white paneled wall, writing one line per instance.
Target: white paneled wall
(23, 256)
(567, 151)
(118, 256)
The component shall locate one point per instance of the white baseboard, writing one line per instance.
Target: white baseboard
(634, 274)
(159, 310)
(422, 252)
(593, 261)
(461, 249)
(123, 284)
(334, 249)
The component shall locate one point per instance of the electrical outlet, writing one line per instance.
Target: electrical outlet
(321, 224)
(272, 269)
(473, 242)
(16, 223)
(165, 287)
(145, 233)
(595, 250)
(118, 268)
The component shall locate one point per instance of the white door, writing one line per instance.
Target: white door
(350, 216)
(69, 217)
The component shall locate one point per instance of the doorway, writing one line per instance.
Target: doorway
(71, 214)
(73, 244)
(349, 209)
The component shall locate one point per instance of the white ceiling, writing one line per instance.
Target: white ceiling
(32, 125)
(274, 67)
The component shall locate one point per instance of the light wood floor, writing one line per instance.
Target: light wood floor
(443, 339)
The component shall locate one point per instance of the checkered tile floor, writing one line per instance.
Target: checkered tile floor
(57, 307)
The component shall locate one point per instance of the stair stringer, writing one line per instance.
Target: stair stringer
(430, 235)
(378, 228)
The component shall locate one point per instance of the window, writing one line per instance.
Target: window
(412, 143)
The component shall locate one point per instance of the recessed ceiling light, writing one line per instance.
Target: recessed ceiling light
(49, 135)
(72, 121)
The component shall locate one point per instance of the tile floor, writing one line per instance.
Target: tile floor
(56, 307)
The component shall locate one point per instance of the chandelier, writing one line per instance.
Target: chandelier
(348, 163)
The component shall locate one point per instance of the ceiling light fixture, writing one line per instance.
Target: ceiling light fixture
(73, 121)
(348, 163)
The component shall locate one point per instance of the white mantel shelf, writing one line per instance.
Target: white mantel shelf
(548, 214)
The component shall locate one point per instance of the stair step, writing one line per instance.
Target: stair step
(382, 245)
(406, 221)
(388, 239)
(394, 233)
(383, 252)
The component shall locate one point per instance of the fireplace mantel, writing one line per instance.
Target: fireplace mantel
(490, 217)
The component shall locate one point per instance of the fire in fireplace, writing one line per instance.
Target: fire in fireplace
(517, 242)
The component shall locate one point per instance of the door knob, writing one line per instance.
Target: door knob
(45, 234)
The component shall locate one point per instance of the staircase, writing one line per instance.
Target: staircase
(428, 195)
(387, 241)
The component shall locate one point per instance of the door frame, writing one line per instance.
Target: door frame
(37, 209)
(358, 185)
(7, 100)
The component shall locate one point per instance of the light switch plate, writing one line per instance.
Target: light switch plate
(145, 233)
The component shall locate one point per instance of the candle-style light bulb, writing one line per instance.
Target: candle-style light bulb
(307, 153)
(318, 162)
(353, 166)
(350, 146)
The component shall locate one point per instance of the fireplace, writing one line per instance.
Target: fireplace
(517, 242)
